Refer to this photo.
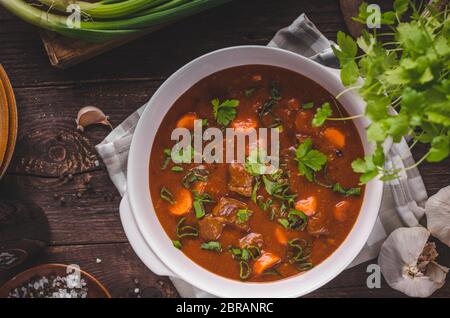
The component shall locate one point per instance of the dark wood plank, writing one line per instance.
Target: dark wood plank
(158, 55)
(118, 268)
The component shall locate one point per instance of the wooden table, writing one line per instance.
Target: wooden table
(50, 148)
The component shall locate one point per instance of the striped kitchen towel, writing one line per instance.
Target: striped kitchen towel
(403, 199)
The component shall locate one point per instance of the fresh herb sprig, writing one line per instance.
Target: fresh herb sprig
(405, 82)
(309, 160)
(224, 112)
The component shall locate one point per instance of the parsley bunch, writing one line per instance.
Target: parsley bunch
(405, 82)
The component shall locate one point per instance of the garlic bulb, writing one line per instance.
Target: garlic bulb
(437, 210)
(90, 115)
(408, 264)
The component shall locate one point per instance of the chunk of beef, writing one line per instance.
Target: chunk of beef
(227, 209)
(240, 180)
(251, 239)
(211, 227)
(318, 225)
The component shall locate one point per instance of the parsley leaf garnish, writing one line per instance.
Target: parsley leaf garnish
(309, 160)
(224, 112)
(322, 113)
(337, 187)
(243, 215)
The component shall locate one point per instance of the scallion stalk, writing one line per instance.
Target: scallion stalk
(125, 17)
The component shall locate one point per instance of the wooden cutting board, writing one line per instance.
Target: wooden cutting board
(4, 121)
(12, 121)
(64, 52)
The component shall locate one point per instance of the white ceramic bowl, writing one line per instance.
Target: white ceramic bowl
(166, 260)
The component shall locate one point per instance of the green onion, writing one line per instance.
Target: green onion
(195, 174)
(105, 9)
(199, 200)
(167, 195)
(212, 246)
(186, 230)
(177, 244)
(177, 169)
(244, 270)
(121, 18)
(167, 158)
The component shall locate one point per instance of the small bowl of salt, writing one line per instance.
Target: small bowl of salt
(54, 281)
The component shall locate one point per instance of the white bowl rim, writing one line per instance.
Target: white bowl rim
(142, 207)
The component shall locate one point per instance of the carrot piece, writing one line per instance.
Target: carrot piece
(340, 210)
(183, 202)
(293, 104)
(281, 236)
(335, 137)
(200, 186)
(307, 206)
(264, 262)
(187, 121)
(256, 78)
(244, 125)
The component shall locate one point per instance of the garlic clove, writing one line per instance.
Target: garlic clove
(437, 210)
(407, 262)
(91, 115)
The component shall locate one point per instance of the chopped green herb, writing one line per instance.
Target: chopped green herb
(199, 200)
(182, 155)
(186, 230)
(346, 191)
(278, 186)
(212, 246)
(244, 270)
(199, 173)
(309, 161)
(264, 205)
(177, 169)
(271, 272)
(224, 112)
(275, 96)
(322, 113)
(167, 195)
(284, 223)
(245, 254)
(249, 92)
(299, 250)
(254, 251)
(255, 163)
(297, 220)
(302, 267)
(243, 215)
(255, 190)
(308, 105)
(167, 157)
(177, 244)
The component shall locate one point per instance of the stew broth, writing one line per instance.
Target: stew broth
(329, 204)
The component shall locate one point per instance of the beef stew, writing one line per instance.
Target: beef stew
(247, 226)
